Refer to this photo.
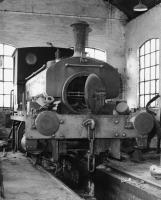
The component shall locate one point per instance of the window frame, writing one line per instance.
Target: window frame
(152, 53)
(95, 54)
(6, 52)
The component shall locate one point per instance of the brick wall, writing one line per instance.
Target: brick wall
(33, 23)
(138, 31)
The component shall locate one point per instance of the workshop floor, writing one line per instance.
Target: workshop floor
(140, 169)
(22, 181)
(127, 180)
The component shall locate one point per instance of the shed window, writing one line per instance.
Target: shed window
(6, 74)
(96, 53)
(148, 72)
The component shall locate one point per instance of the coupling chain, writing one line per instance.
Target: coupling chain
(91, 155)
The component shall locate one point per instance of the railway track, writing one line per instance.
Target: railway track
(84, 187)
(108, 183)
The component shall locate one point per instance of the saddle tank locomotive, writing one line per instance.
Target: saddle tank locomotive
(73, 109)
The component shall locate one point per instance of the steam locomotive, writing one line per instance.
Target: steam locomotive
(71, 108)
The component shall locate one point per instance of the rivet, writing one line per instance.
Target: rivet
(61, 121)
(124, 134)
(116, 134)
(116, 121)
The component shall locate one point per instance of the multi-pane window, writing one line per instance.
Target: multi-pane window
(6, 74)
(96, 53)
(148, 71)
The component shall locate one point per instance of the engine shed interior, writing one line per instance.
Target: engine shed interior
(80, 99)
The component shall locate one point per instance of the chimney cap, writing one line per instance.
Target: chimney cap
(80, 22)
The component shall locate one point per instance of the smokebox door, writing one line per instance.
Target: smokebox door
(95, 93)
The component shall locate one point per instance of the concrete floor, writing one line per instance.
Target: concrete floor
(22, 181)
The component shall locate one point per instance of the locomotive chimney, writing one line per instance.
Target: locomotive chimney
(81, 30)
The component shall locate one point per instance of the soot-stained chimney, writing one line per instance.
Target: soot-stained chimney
(81, 30)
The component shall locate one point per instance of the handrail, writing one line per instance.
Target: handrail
(12, 100)
(83, 65)
(36, 72)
